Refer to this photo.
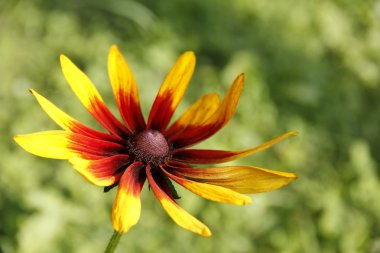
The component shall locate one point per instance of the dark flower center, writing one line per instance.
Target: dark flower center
(150, 146)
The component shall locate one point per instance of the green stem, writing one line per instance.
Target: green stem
(114, 241)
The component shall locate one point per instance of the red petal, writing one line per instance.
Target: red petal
(59, 144)
(90, 97)
(195, 115)
(199, 156)
(91, 148)
(125, 90)
(69, 123)
(102, 172)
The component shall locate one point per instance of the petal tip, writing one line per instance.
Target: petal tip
(114, 51)
(62, 57)
(293, 133)
(247, 201)
(240, 77)
(206, 232)
(114, 47)
(293, 176)
(16, 138)
(64, 60)
(239, 80)
(21, 141)
(189, 55)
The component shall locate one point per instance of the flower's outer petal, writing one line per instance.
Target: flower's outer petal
(195, 115)
(90, 97)
(125, 90)
(220, 118)
(242, 179)
(171, 92)
(162, 182)
(179, 215)
(67, 122)
(199, 156)
(211, 192)
(127, 205)
(59, 144)
(101, 172)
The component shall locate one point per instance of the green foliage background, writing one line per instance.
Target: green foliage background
(311, 66)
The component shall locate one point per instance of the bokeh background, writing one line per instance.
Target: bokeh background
(311, 66)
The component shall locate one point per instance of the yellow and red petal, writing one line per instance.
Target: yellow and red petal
(202, 156)
(127, 205)
(179, 215)
(195, 115)
(220, 118)
(242, 179)
(101, 172)
(125, 90)
(59, 144)
(67, 122)
(171, 92)
(211, 192)
(90, 97)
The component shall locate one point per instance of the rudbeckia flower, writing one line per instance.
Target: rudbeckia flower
(133, 151)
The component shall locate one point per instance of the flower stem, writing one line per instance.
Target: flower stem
(114, 241)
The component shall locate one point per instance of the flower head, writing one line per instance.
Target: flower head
(134, 151)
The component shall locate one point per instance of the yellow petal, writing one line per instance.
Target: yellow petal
(49, 144)
(59, 144)
(179, 215)
(212, 192)
(213, 124)
(57, 115)
(242, 179)
(183, 218)
(80, 83)
(67, 122)
(90, 97)
(125, 90)
(127, 205)
(171, 91)
(230, 101)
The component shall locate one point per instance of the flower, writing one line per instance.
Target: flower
(135, 151)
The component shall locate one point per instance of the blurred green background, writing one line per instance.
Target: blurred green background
(311, 66)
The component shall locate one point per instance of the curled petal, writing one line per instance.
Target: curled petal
(60, 144)
(125, 90)
(163, 183)
(211, 192)
(67, 122)
(179, 215)
(127, 205)
(195, 115)
(171, 92)
(242, 179)
(90, 97)
(220, 118)
(101, 172)
(199, 156)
